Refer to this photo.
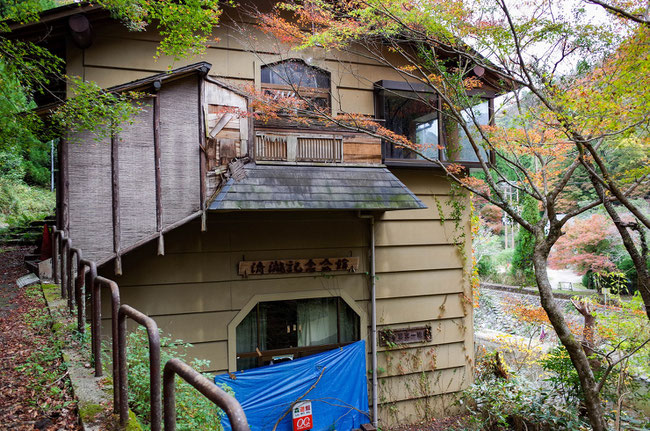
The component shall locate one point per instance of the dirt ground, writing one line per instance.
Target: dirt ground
(446, 424)
(34, 389)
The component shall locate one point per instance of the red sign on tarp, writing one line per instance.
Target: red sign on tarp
(302, 417)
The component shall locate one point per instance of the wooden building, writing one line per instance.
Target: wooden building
(257, 242)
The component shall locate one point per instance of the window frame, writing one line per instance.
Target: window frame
(298, 351)
(306, 92)
(380, 115)
(312, 294)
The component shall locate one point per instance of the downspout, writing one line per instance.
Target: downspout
(373, 317)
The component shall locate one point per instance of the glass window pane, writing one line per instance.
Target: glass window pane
(349, 323)
(280, 324)
(458, 147)
(414, 117)
(317, 322)
(295, 73)
(247, 340)
(295, 324)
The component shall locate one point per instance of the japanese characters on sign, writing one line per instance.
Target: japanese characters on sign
(302, 416)
(404, 335)
(299, 266)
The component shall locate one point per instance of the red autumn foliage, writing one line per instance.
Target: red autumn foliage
(585, 245)
(492, 215)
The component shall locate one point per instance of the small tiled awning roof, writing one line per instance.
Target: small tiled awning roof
(285, 187)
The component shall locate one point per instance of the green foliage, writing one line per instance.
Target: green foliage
(20, 203)
(563, 377)
(522, 260)
(486, 267)
(625, 328)
(500, 404)
(44, 368)
(94, 110)
(626, 265)
(616, 282)
(185, 25)
(193, 410)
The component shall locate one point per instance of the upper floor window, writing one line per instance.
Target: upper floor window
(295, 78)
(420, 117)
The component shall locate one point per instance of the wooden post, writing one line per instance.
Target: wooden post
(157, 163)
(202, 154)
(115, 177)
(65, 187)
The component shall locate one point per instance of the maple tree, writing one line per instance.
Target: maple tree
(586, 245)
(574, 84)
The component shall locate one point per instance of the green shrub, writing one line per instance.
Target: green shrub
(626, 266)
(193, 410)
(563, 376)
(20, 203)
(500, 404)
(486, 267)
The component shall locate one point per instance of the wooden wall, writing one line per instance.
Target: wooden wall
(194, 291)
(108, 63)
(420, 282)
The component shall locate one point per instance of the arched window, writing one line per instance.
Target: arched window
(277, 331)
(292, 78)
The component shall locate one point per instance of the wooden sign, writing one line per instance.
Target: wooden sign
(298, 266)
(404, 336)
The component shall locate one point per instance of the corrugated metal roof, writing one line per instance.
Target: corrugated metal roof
(285, 187)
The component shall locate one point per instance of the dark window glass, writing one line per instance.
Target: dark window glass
(413, 116)
(286, 78)
(295, 73)
(285, 330)
(458, 147)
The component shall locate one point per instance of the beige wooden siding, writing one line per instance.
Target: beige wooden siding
(420, 282)
(108, 63)
(194, 291)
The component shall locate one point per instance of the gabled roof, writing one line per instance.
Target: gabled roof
(286, 187)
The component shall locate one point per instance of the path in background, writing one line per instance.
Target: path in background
(34, 388)
(556, 276)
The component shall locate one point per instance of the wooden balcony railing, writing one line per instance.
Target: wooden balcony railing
(316, 147)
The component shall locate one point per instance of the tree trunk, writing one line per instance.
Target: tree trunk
(638, 258)
(573, 346)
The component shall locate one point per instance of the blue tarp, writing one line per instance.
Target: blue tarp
(338, 399)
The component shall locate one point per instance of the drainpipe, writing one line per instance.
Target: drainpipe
(373, 316)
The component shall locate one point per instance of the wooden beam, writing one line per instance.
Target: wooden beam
(115, 178)
(225, 119)
(158, 174)
(152, 237)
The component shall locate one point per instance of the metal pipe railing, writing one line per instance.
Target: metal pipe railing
(95, 328)
(65, 257)
(71, 288)
(154, 365)
(56, 237)
(115, 305)
(86, 275)
(206, 387)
